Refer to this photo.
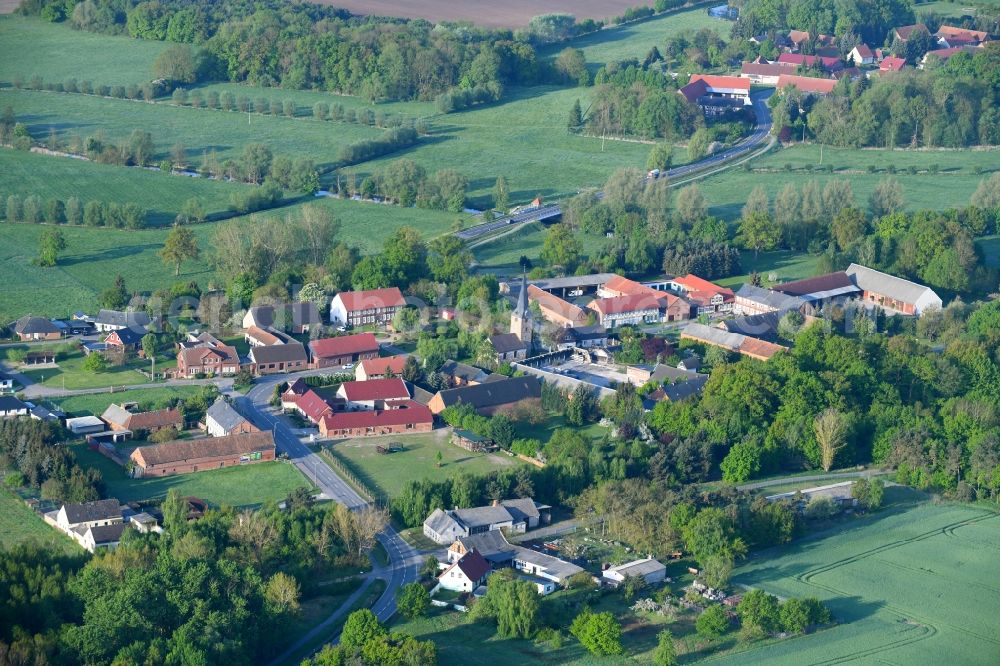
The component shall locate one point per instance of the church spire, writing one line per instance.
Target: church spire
(522, 298)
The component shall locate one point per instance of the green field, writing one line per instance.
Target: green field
(198, 130)
(56, 52)
(96, 403)
(389, 473)
(19, 524)
(70, 374)
(236, 486)
(160, 194)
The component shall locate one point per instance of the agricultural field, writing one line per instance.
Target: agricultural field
(390, 472)
(160, 194)
(19, 524)
(96, 403)
(56, 52)
(511, 14)
(243, 485)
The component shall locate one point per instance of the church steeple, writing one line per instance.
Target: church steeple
(520, 318)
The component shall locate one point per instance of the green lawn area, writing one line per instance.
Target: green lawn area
(56, 52)
(71, 375)
(198, 130)
(502, 254)
(390, 472)
(543, 431)
(784, 264)
(96, 403)
(235, 486)
(19, 524)
(162, 195)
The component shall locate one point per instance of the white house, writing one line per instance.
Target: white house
(861, 55)
(648, 568)
(893, 293)
(222, 419)
(91, 524)
(360, 308)
(12, 407)
(466, 574)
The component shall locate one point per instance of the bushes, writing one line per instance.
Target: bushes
(95, 213)
(256, 198)
(389, 142)
(459, 99)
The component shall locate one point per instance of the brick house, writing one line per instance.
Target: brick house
(289, 357)
(36, 328)
(395, 417)
(208, 356)
(329, 352)
(360, 308)
(373, 393)
(118, 418)
(192, 455)
(375, 368)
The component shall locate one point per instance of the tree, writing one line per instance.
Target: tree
(115, 297)
(886, 198)
(665, 653)
(572, 64)
(691, 205)
(600, 633)
(315, 294)
(561, 247)
(712, 539)
(660, 157)
(759, 609)
(149, 345)
(282, 593)
(95, 363)
(50, 244)
(987, 194)
(699, 144)
(848, 226)
(758, 231)
(512, 603)
(413, 600)
(868, 492)
(501, 195)
(179, 246)
(191, 211)
(361, 627)
(713, 623)
(830, 428)
(757, 202)
(74, 211)
(176, 63)
(575, 121)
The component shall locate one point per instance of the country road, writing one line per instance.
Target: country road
(833, 476)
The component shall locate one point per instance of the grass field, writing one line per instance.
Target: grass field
(56, 52)
(96, 403)
(511, 14)
(19, 524)
(162, 195)
(236, 486)
(389, 473)
(71, 375)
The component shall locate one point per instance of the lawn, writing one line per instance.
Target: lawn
(782, 264)
(198, 130)
(162, 195)
(502, 254)
(71, 375)
(96, 403)
(543, 431)
(235, 486)
(19, 524)
(389, 473)
(56, 52)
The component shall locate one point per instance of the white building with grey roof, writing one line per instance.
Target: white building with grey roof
(517, 515)
(647, 568)
(893, 293)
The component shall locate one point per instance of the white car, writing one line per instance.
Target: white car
(349, 366)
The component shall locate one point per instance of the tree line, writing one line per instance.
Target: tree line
(36, 450)
(31, 209)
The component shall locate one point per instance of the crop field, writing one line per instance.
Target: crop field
(390, 472)
(915, 583)
(96, 403)
(56, 52)
(511, 14)
(162, 195)
(198, 130)
(19, 524)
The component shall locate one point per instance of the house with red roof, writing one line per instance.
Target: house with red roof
(360, 308)
(207, 356)
(372, 368)
(904, 32)
(626, 310)
(623, 301)
(862, 55)
(891, 64)
(717, 94)
(705, 297)
(807, 84)
(944, 54)
(372, 393)
(342, 350)
(798, 38)
(829, 64)
(466, 574)
(763, 73)
(313, 406)
(391, 418)
(949, 36)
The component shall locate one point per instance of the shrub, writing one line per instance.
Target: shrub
(713, 623)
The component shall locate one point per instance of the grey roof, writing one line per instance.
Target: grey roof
(772, 299)
(302, 313)
(130, 336)
(136, 319)
(32, 325)
(224, 414)
(889, 285)
(714, 336)
(106, 534)
(462, 371)
(287, 353)
(88, 511)
(9, 403)
(553, 566)
(819, 287)
(639, 567)
(521, 509)
(505, 343)
(592, 280)
(578, 333)
(492, 545)
(760, 325)
(116, 414)
(692, 362)
(481, 516)
(684, 390)
(441, 521)
(663, 372)
(522, 299)
(423, 396)
(500, 392)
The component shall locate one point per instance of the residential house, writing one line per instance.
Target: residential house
(942, 55)
(113, 320)
(491, 396)
(825, 63)
(555, 310)
(360, 308)
(207, 356)
(466, 574)
(862, 55)
(11, 407)
(222, 419)
(256, 336)
(282, 358)
(798, 38)
(891, 64)
(516, 515)
(36, 328)
(125, 340)
(807, 84)
(312, 406)
(393, 417)
(650, 570)
(496, 550)
(121, 419)
(582, 337)
(820, 291)
(374, 368)
(6, 382)
(93, 525)
(717, 94)
(373, 393)
(705, 297)
(733, 342)
(626, 310)
(191, 455)
(763, 73)
(297, 318)
(295, 390)
(508, 347)
(462, 374)
(691, 363)
(904, 32)
(343, 350)
(104, 536)
(751, 300)
(893, 293)
(949, 36)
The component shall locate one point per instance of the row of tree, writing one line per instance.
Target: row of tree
(32, 209)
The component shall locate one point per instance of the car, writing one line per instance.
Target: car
(341, 329)
(349, 366)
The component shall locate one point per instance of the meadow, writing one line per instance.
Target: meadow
(71, 375)
(19, 524)
(389, 473)
(96, 403)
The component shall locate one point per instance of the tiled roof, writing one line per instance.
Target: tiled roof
(904, 31)
(555, 304)
(402, 413)
(838, 282)
(379, 366)
(769, 298)
(473, 565)
(160, 418)
(89, 511)
(717, 82)
(131, 319)
(505, 343)
(371, 298)
(392, 388)
(759, 348)
(344, 345)
(195, 355)
(892, 64)
(799, 59)
(807, 84)
(34, 325)
(224, 414)
(693, 283)
(624, 304)
(264, 337)
(288, 353)
(313, 406)
(206, 447)
(500, 392)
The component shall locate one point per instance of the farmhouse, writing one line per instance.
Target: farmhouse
(374, 368)
(119, 418)
(892, 64)
(765, 73)
(705, 297)
(807, 84)
(734, 342)
(372, 394)
(717, 94)
(490, 396)
(751, 300)
(11, 407)
(312, 406)
(93, 525)
(861, 55)
(462, 374)
(36, 328)
(297, 318)
(183, 456)
(818, 292)
(650, 570)
(289, 357)
(828, 64)
(207, 356)
(113, 320)
(904, 32)
(626, 310)
(343, 350)
(949, 36)
(262, 337)
(508, 347)
(518, 515)
(389, 418)
(222, 419)
(893, 293)
(465, 574)
(555, 309)
(358, 308)
(944, 54)
(125, 339)
(496, 550)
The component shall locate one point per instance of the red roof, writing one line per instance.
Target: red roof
(371, 298)
(379, 366)
(864, 51)
(344, 345)
(807, 84)
(622, 304)
(892, 64)
(401, 413)
(904, 31)
(962, 33)
(767, 68)
(808, 60)
(313, 406)
(692, 282)
(714, 81)
(392, 388)
(761, 349)
(944, 54)
(472, 564)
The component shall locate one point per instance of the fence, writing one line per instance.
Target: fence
(343, 467)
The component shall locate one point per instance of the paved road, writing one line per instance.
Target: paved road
(834, 477)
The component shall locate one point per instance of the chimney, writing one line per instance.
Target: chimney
(496, 502)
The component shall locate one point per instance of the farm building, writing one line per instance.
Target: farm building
(470, 441)
(359, 308)
(256, 336)
(343, 350)
(490, 396)
(113, 320)
(119, 418)
(807, 84)
(555, 309)
(11, 407)
(651, 570)
(392, 418)
(192, 455)
(296, 318)
(717, 94)
(508, 347)
(462, 374)
(375, 368)
(290, 357)
(893, 293)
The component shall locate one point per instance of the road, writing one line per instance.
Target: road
(833, 477)
(404, 561)
(760, 135)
